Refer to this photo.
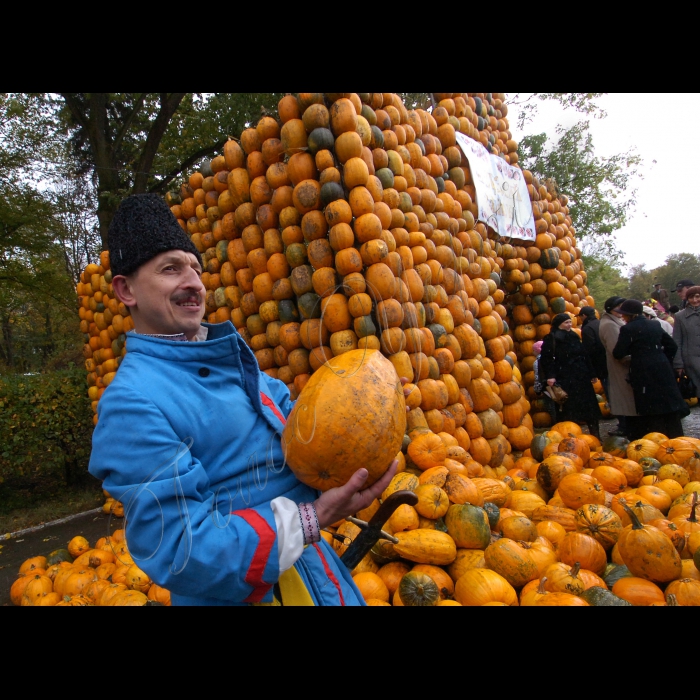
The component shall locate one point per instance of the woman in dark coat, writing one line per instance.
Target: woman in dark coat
(564, 360)
(651, 350)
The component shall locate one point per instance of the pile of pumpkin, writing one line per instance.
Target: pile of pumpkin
(105, 322)
(349, 223)
(573, 523)
(548, 279)
(80, 575)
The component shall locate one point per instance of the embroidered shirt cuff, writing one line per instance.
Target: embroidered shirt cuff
(309, 523)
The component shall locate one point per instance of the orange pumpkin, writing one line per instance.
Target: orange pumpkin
(648, 552)
(371, 586)
(477, 587)
(599, 522)
(686, 591)
(392, 573)
(512, 561)
(578, 489)
(350, 414)
(638, 591)
(676, 451)
(579, 548)
(440, 576)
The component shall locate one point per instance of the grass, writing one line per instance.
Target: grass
(27, 504)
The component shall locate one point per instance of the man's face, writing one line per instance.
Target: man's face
(682, 292)
(167, 294)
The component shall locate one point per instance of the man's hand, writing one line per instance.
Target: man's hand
(336, 504)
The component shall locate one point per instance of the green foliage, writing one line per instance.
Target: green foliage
(677, 267)
(599, 189)
(417, 100)
(580, 101)
(45, 428)
(141, 142)
(604, 280)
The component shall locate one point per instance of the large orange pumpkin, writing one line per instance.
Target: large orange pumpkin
(350, 414)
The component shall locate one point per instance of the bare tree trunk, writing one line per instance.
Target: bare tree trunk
(8, 340)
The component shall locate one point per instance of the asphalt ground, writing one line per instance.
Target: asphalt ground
(95, 524)
(42, 540)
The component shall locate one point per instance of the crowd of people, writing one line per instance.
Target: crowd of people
(637, 350)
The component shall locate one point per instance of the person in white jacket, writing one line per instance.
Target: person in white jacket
(653, 316)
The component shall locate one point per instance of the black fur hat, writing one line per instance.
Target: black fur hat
(143, 227)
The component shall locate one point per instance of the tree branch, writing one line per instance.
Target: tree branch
(201, 153)
(169, 105)
(128, 120)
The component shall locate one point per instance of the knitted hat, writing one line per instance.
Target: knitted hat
(559, 319)
(631, 307)
(537, 347)
(613, 303)
(143, 227)
(648, 311)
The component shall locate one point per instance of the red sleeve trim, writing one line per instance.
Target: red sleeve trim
(266, 536)
(330, 574)
(267, 401)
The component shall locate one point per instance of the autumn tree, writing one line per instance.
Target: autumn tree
(140, 142)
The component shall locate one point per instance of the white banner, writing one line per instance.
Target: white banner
(501, 192)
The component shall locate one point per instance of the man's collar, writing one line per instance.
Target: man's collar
(200, 335)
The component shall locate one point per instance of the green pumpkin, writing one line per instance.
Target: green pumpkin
(377, 137)
(457, 176)
(616, 446)
(364, 326)
(649, 465)
(383, 552)
(598, 596)
(288, 311)
(386, 177)
(418, 589)
(57, 556)
(539, 304)
(369, 114)
(222, 251)
(468, 526)
(309, 305)
(320, 139)
(493, 513)
(172, 198)
(405, 202)
(438, 331)
(613, 576)
(549, 258)
(330, 191)
(558, 305)
(539, 442)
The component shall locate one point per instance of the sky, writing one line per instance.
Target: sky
(656, 228)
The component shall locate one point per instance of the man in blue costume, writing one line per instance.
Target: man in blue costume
(188, 438)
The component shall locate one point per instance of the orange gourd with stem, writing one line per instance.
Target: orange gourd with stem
(647, 552)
